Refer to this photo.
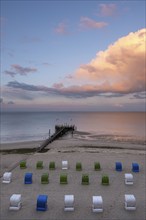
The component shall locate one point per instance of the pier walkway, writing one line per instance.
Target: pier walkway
(60, 130)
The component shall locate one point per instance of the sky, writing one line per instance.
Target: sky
(73, 55)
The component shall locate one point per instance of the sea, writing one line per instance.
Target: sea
(127, 127)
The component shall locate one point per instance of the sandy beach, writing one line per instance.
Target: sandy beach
(74, 150)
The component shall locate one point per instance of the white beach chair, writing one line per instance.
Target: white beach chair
(64, 165)
(7, 177)
(130, 202)
(97, 204)
(15, 202)
(128, 179)
(69, 203)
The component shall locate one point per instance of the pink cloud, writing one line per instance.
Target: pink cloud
(88, 23)
(120, 68)
(107, 9)
(61, 29)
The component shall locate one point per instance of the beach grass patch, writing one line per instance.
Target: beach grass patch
(85, 179)
(39, 165)
(105, 180)
(63, 179)
(97, 166)
(78, 166)
(23, 165)
(52, 165)
(45, 178)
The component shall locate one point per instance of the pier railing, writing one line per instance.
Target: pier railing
(60, 130)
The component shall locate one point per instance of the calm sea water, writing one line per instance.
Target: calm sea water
(16, 127)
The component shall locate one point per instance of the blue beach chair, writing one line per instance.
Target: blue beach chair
(135, 167)
(42, 203)
(28, 178)
(118, 166)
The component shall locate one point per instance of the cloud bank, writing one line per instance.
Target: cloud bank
(115, 72)
(17, 69)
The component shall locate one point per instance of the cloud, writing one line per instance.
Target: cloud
(120, 68)
(17, 69)
(12, 74)
(115, 72)
(107, 10)
(75, 91)
(27, 39)
(87, 23)
(61, 29)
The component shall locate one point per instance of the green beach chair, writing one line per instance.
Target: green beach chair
(85, 179)
(23, 164)
(52, 165)
(105, 180)
(63, 179)
(45, 178)
(78, 166)
(39, 165)
(97, 166)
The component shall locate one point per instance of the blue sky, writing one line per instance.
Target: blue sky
(73, 55)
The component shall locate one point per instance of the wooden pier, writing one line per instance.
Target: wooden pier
(60, 130)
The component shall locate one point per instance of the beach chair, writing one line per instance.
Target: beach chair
(7, 177)
(105, 180)
(130, 202)
(45, 178)
(118, 166)
(135, 167)
(78, 166)
(63, 179)
(23, 164)
(52, 165)
(41, 203)
(85, 179)
(15, 202)
(28, 178)
(97, 204)
(128, 179)
(39, 165)
(69, 203)
(97, 166)
(64, 165)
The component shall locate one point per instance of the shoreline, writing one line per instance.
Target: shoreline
(82, 138)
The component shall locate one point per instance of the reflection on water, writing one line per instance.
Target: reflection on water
(17, 127)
